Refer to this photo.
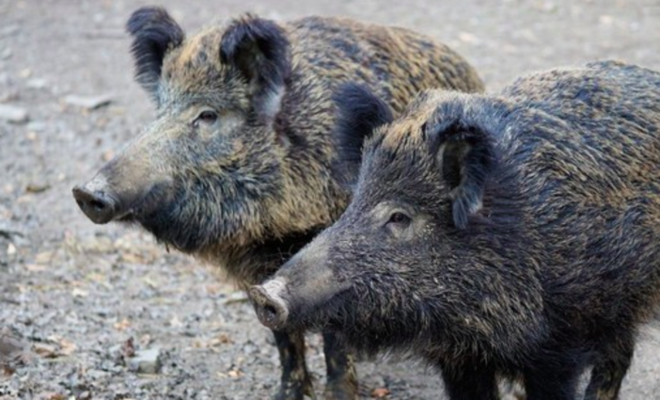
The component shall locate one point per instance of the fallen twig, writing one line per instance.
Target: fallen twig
(112, 35)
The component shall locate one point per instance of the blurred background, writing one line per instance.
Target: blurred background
(104, 312)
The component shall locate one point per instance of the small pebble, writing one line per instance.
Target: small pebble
(36, 83)
(88, 102)
(36, 126)
(13, 114)
(145, 361)
(9, 30)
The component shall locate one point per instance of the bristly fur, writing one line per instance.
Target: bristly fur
(238, 167)
(359, 113)
(553, 272)
(154, 33)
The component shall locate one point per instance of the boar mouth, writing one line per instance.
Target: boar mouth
(128, 216)
(329, 313)
(153, 201)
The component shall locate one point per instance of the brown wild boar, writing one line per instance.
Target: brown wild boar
(239, 166)
(512, 235)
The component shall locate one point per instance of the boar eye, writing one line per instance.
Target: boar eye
(206, 117)
(399, 218)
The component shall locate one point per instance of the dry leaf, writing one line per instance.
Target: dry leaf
(122, 325)
(151, 283)
(379, 393)
(51, 396)
(96, 277)
(46, 350)
(44, 257)
(35, 267)
(222, 338)
(130, 258)
(67, 348)
(37, 187)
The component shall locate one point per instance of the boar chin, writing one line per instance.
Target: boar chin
(158, 199)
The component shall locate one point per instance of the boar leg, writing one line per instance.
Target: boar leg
(611, 366)
(472, 381)
(296, 382)
(553, 378)
(342, 378)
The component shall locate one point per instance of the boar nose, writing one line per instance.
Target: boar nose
(272, 310)
(97, 204)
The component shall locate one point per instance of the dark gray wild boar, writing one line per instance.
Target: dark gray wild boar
(511, 235)
(240, 165)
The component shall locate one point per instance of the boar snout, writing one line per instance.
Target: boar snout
(96, 202)
(301, 287)
(272, 310)
(130, 187)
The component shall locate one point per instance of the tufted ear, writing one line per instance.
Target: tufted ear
(465, 155)
(154, 33)
(359, 113)
(259, 50)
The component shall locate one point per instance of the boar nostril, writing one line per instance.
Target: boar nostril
(97, 205)
(270, 312)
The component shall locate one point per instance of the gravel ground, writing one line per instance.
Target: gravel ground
(83, 304)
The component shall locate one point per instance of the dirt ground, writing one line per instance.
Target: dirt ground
(82, 299)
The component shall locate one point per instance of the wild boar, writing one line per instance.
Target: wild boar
(513, 234)
(239, 166)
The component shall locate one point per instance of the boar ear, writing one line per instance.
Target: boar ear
(259, 50)
(359, 113)
(466, 156)
(154, 33)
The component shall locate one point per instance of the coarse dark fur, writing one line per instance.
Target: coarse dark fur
(510, 235)
(240, 166)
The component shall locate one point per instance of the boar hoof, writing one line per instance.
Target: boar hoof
(345, 386)
(340, 392)
(296, 390)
